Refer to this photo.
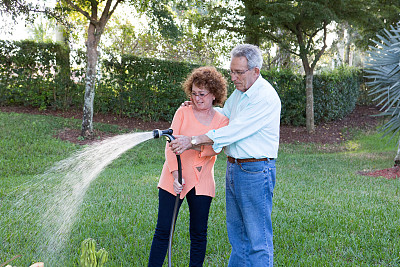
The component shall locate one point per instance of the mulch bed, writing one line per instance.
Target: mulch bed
(325, 133)
(390, 173)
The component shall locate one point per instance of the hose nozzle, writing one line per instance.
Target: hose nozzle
(167, 133)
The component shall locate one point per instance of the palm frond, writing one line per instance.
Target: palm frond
(383, 74)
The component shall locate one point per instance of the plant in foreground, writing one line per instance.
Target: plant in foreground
(383, 72)
(89, 256)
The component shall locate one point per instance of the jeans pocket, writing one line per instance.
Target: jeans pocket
(252, 167)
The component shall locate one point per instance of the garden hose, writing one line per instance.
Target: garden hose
(168, 134)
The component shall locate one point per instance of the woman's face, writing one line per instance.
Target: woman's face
(202, 98)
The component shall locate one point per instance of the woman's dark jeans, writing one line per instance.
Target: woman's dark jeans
(199, 207)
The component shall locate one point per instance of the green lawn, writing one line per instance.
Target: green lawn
(325, 214)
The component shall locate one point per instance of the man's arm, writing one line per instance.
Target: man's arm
(182, 143)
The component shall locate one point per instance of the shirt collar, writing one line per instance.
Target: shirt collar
(253, 87)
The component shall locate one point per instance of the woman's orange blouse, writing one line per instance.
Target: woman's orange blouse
(197, 166)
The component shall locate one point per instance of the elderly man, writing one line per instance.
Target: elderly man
(251, 142)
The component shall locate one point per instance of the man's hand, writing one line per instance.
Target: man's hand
(180, 144)
(186, 103)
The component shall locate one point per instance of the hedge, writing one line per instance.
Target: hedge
(335, 94)
(150, 89)
(35, 74)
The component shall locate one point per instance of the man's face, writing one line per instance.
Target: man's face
(241, 76)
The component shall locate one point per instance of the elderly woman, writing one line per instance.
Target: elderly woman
(206, 87)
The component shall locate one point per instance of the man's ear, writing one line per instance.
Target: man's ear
(257, 71)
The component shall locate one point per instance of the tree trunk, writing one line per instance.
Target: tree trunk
(309, 96)
(347, 44)
(309, 102)
(95, 30)
(347, 52)
(90, 79)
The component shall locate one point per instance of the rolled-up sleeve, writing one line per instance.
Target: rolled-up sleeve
(210, 150)
(250, 120)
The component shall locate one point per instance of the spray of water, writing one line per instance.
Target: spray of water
(64, 187)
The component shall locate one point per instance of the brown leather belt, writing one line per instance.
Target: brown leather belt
(233, 160)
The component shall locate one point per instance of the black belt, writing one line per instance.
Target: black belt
(233, 160)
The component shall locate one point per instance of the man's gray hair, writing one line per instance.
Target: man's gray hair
(251, 52)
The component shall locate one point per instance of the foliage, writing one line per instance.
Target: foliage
(283, 22)
(21, 8)
(35, 74)
(145, 88)
(335, 94)
(290, 87)
(193, 45)
(383, 74)
(375, 16)
(150, 89)
(90, 257)
(365, 98)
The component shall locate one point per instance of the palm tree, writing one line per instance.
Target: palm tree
(41, 30)
(383, 74)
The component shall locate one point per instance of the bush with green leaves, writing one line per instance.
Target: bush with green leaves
(291, 90)
(36, 74)
(335, 94)
(149, 89)
(39, 75)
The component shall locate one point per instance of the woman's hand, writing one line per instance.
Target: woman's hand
(177, 186)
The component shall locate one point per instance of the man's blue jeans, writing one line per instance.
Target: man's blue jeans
(249, 192)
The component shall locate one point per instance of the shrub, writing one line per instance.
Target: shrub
(38, 74)
(336, 93)
(35, 74)
(291, 90)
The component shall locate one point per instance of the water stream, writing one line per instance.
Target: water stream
(63, 188)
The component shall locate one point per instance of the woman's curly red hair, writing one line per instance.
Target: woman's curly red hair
(210, 79)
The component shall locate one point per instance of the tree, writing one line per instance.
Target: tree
(305, 27)
(123, 36)
(97, 23)
(91, 11)
(97, 13)
(383, 73)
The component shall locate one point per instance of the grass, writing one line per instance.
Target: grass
(325, 214)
